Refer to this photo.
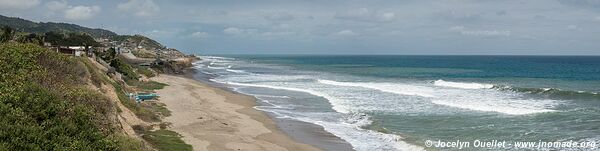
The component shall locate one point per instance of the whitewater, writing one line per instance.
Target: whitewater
(356, 108)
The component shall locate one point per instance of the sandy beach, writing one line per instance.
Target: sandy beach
(209, 118)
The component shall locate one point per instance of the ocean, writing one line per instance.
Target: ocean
(377, 102)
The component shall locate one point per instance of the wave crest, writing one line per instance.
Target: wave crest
(555, 93)
(462, 85)
(336, 103)
(385, 87)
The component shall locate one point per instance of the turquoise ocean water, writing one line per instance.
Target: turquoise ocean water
(401, 102)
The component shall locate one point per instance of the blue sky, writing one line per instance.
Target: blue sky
(488, 27)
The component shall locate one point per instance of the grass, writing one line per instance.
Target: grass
(143, 55)
(141, 112)
(98, 78)
(159, 108)
(146, 72)
(146, 86)
(166, 140)
(150, 111)
(127, 143)
(151, 85)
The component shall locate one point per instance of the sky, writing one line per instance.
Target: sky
(409, 27)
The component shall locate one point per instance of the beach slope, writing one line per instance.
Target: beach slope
(213, 119)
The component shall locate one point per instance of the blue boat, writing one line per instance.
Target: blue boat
(143, 96)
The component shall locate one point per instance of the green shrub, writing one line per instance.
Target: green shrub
(43, 107)
(148, 86)
(143, 112)
(126, 143)
(98, 78)
(146, 72)
(143, 54)
(70, 39)
(166, 140)
(121, 66)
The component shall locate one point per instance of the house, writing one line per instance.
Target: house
(73, 50)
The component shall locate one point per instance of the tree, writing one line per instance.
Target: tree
(31, 38)
(71, 39)
(7, 34)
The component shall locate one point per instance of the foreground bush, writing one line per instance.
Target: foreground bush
(45, 106)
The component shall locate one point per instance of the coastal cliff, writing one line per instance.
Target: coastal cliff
(55, 97)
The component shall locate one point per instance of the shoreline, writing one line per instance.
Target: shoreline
(213, 118)
(300, 131)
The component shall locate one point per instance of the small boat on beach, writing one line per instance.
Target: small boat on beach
(143, 96)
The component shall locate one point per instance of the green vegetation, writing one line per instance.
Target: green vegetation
(124, 68)
(146, 111)
(45, 106)
(160, 108)
(166, 140)
(46, 102)
(152, 85)
(55, 38)
(146, 71)
(127, 144)
(143, 55)
(147, 86)
(140, 40)
(139, 110)
(7, 34)
(70, 39)
(23, 25)
(31, 38)
(107, 56)
(98, 78)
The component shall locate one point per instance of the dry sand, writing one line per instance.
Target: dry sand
(213, 119)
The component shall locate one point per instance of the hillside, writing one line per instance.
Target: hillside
(139, 45)
(145, 47)
(47, 104)
(23, 25)
(52, 101)
(138, 40)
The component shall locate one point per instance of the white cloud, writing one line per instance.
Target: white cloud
(239, 31)
(232, 31)
(387, 16)
(18, 4)
(280, 16)
(200, 35)
(142, 8)
(484, 33)
(81, 12)
(163, 33)
(345, 33)
(56, 5)
(73, 12)
(458, 16)
(365, 15)
(457, 28)
(279, 33)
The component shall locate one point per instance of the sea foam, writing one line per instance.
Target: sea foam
(335, 102)
(463, 85)
(401, 89)
(471, 96)
(364, 139)
(514, 108)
